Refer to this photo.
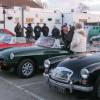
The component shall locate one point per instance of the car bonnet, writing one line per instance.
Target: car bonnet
(80, 62)
(19, 49)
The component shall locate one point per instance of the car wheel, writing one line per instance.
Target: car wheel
(26, 68)
(97, 89)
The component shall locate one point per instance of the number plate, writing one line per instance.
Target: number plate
(54, 85)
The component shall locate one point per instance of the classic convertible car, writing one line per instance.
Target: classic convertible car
(95, 41)
(26, 60)
(76, 72)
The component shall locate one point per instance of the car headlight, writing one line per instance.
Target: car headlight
(12, 56)
(84, 73)
(46, 63)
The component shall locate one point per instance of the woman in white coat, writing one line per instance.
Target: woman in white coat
(78, 44)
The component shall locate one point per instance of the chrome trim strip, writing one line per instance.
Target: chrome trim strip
(70, 86)
(57, 73)
(46, 75)
(84, 89)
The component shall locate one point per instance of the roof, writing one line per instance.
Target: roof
(21, 3)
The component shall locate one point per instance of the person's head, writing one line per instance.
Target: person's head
(65, 24)
(54, 26)
(18, 23)
(72, 28)
(37, 24)
(65, 29)
(29, 24)
(78, 26)
(44, 24)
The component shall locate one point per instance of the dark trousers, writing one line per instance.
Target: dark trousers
(67, 44)
(37, 36)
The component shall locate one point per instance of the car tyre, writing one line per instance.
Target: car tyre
(26, 68)
(96, 92)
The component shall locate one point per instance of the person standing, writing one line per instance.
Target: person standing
(56, 35)
(78, 44)
(29, 32)
(68, 37)
(45, 30)
(55, 32)
(18, 30)
(64, 32)
(37, 31)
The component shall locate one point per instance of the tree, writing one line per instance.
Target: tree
(82, 8)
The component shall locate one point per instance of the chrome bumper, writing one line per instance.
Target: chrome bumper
(69, 86)
(46, 76)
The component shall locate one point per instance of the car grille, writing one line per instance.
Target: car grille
(62, 75)
(1, 60)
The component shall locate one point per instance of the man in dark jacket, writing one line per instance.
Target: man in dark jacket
(55, 32)
(37, 31)
(69, 36)
(29, 32)
(45, 30)
(18, 30)
(64, 32)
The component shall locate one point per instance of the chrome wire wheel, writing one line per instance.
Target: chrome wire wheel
(27, 69)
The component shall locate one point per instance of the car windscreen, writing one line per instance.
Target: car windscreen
(45, 42)
(6, 39)
(4, 34)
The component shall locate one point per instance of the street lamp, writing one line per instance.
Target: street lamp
(44, 3)
(62, 16)
(22, 10)
(4, 12)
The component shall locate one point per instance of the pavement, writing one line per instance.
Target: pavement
(35, 88)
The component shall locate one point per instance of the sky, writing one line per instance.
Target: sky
(61, 4)
(66, 5)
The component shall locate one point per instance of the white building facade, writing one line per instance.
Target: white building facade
(50, 17)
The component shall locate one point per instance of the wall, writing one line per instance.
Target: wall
(32, 16)
(72, 18)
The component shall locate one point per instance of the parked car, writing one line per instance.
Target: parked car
(95, 41)
(51, 63)
(26, 60)
(76, 72)
(3, 34)
(7, 32)
(94, 31)
(11, 41)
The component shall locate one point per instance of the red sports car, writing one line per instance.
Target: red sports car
(7, 32)
(10, 41)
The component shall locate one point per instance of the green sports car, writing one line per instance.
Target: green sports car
(26, 60)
